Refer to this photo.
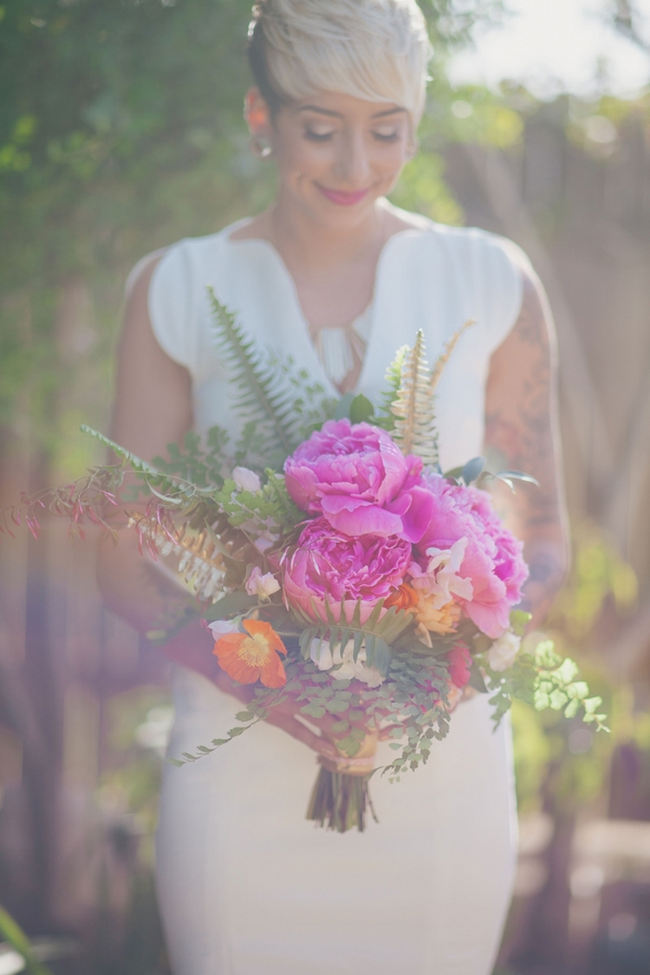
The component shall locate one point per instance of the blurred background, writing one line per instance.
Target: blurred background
(120, 131)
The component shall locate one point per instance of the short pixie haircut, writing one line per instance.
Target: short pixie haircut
(377, 50)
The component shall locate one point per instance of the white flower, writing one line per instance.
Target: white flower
(219, 628)
(503, 651)
(343, 665)
(441, 579)
(245, 479)
(321, 655)
(261, 584)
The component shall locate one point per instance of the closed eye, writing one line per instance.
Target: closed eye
(318, 136)
(392, 136)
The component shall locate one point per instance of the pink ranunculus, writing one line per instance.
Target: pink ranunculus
(493, 559)
(326, 566)
(356, 476)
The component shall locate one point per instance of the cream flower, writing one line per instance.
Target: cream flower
(219, 628)
(440, 580)
(245, 479)
(503, 651)
(260, 584)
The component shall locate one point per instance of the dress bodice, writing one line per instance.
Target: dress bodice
(431, 277)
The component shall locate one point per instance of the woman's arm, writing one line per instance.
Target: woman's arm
(522, 434)
(153, 408)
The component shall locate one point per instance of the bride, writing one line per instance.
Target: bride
(338, 277)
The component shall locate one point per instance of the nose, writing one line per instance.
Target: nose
(353, 161)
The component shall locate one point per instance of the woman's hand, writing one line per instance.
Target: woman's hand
(191, 647)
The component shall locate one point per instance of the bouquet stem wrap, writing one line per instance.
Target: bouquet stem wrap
(340, 799)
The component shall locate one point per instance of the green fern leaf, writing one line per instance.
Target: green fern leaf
(385, 417)
(260, 398)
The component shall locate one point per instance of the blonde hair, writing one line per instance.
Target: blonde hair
(377, 50)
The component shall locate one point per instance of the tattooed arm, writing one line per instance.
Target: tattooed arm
(521, 433)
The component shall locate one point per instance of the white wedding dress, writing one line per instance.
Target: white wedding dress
(246, 885)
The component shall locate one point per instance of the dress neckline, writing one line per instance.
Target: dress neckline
(263, 245)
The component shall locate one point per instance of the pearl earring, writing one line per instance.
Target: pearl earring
(261, 147)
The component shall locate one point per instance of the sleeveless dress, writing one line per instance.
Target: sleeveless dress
(246, 885)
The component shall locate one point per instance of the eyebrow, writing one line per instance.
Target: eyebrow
(332, 114)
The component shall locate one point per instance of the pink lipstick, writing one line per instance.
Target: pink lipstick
(343, 197)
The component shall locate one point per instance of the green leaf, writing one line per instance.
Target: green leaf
(16, 937)
(313, 710)
(517, 476)
(472, 469)
(519, 620)
(361, 409)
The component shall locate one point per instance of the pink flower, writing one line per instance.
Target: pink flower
(356, 476)
(327, 566)
(460, 665)
(492, 560)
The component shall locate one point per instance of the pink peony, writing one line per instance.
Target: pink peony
(358, 479)
(326, 566)
(492, 561)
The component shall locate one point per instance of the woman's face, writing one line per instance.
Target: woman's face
(336, 155)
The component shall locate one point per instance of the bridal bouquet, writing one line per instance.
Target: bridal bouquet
(337, 567)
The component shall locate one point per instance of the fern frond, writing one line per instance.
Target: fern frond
(377, 634)
(211, 557)
(260, 396)
(385, 417)
(172, 490)
(444, 357)
(414, 430)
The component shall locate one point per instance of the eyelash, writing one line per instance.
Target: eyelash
(326, 136)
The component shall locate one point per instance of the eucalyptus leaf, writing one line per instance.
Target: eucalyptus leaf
(472, 469)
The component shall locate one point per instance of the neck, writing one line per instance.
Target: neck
(299, 241)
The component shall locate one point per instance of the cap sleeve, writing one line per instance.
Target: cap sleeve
(498, 275)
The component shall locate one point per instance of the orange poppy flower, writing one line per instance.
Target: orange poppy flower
(252, 657)
(404, 597)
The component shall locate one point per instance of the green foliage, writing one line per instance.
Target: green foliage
(385, 417)
(16, 937)
(264, 399)
(376, 634)
(257, 512)
(546, 680)
(204, 463)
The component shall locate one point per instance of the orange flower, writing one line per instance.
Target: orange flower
(404, 597)
(442, 619)
(253, 657)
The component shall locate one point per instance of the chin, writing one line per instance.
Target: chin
(342, 216)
